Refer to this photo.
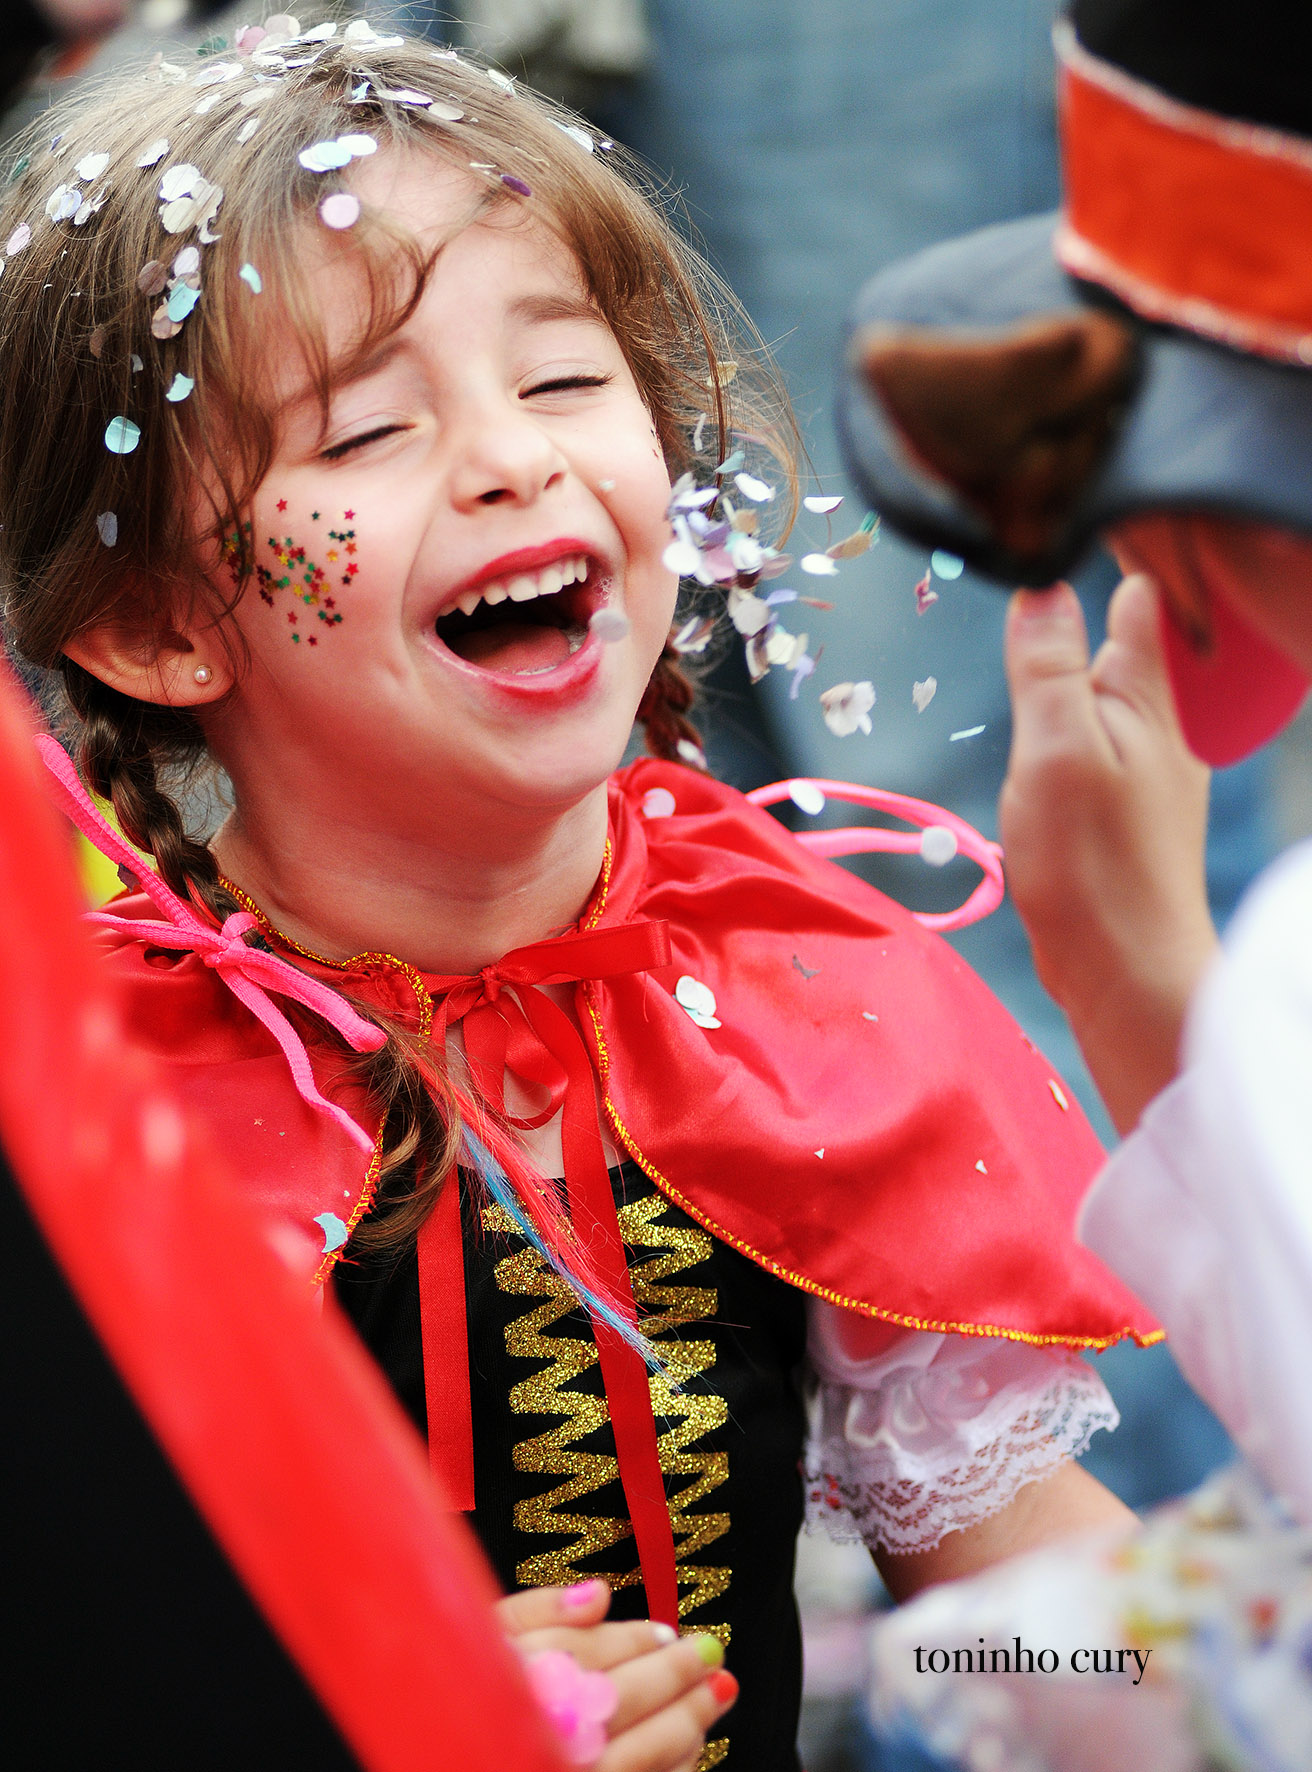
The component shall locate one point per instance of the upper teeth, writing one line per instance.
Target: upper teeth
(525, 586)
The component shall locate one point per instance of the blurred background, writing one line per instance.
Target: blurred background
(810, 143)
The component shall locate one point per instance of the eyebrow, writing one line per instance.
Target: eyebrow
(554, 306)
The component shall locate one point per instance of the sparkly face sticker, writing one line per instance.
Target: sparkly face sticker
(301, 576)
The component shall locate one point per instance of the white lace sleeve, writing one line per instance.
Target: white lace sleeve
(930, 1433)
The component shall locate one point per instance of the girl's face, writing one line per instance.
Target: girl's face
(428, 566)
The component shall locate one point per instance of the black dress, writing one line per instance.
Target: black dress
(549, 1505)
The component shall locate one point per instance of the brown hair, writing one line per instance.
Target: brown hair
(84, 340)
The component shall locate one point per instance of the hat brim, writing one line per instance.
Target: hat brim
(1206, 429)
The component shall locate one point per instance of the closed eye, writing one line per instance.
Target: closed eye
(338, 450)
(566, 384)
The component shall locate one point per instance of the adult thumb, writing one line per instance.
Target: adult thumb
(1131, 663)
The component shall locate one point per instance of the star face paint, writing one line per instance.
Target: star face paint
(295, 572)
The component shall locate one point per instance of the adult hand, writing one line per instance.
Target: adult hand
(1103, 819)
(671, 1689)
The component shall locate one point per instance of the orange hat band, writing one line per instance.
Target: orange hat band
(1197, 220)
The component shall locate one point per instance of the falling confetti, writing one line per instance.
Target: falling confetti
(692, 754)
(697, 1000)
(694, 635)
(925, 595)
(1059, 1095)
(821, 507)
(340, 210)
(658, 803)
(944, 565)
(867, 1016)
(847, 708)
(334, 1231)
(251, 278)
(923, 693)
(807, 796)
(980, 1166)
(122, 436)
(938, 845)
(859, 542)
(732, 463)
(820, 565)
(179, 388)
(107, 528)
(609, 624)
(752, 488)
(966, 732)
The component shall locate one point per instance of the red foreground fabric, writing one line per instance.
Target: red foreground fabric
(278, 1424)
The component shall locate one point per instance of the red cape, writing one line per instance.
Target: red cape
(867, 1120)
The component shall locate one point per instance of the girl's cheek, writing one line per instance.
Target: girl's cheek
(305, 567)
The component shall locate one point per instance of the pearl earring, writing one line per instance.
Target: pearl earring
(202, 673)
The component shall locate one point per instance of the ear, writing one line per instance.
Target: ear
(170, 668)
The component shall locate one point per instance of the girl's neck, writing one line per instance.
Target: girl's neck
(445, 907)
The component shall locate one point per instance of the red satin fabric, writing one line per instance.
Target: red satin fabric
(951, 1175)
(1182, 213)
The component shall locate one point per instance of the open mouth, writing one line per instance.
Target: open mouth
(527, 623)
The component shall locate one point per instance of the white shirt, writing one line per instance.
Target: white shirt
(1206, 1209)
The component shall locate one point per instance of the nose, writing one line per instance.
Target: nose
(502, 453)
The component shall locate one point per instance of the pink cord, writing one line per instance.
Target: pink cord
(868, 839)
(249, 973)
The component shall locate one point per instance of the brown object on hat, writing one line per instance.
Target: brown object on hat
(1016, 421)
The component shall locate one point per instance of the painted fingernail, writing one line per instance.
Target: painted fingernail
(710, 1650)
(583, 1593)
(724, 1688)
(665, 1633)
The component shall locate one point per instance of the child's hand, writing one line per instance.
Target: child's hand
(1103, 819)
(670, 1689)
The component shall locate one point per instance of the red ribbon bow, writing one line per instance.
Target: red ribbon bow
(510, 1023)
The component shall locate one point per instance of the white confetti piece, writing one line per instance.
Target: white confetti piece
(187, 262)
(807, 796)
(980, 1166)
(359, 146)
(699, 433)
(749, 613)
(107, 528)
(609, 624)
(1059, 1095)
(945, 565)
(605, 486)
(122, 436)
(923, 693)
(820, 565)
(324, 157)
(179, 388)
(334, 1231)
(867, 1016)
(752, 488)
(251, 278)
(691, 753)
(966, 732)
(155, 152)
(248, 129)
(658, 803)
(21, 237)
(180, 181)
(694, 635)
(340, 210)
(821, 507)
(697, 1000)
(64, 201)
(847, 708)
(938, 845)
(821, 1151)
(90, 166)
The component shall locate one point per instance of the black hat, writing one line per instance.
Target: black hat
(1018, 390)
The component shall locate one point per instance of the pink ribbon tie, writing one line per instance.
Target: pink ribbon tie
(250, 973)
